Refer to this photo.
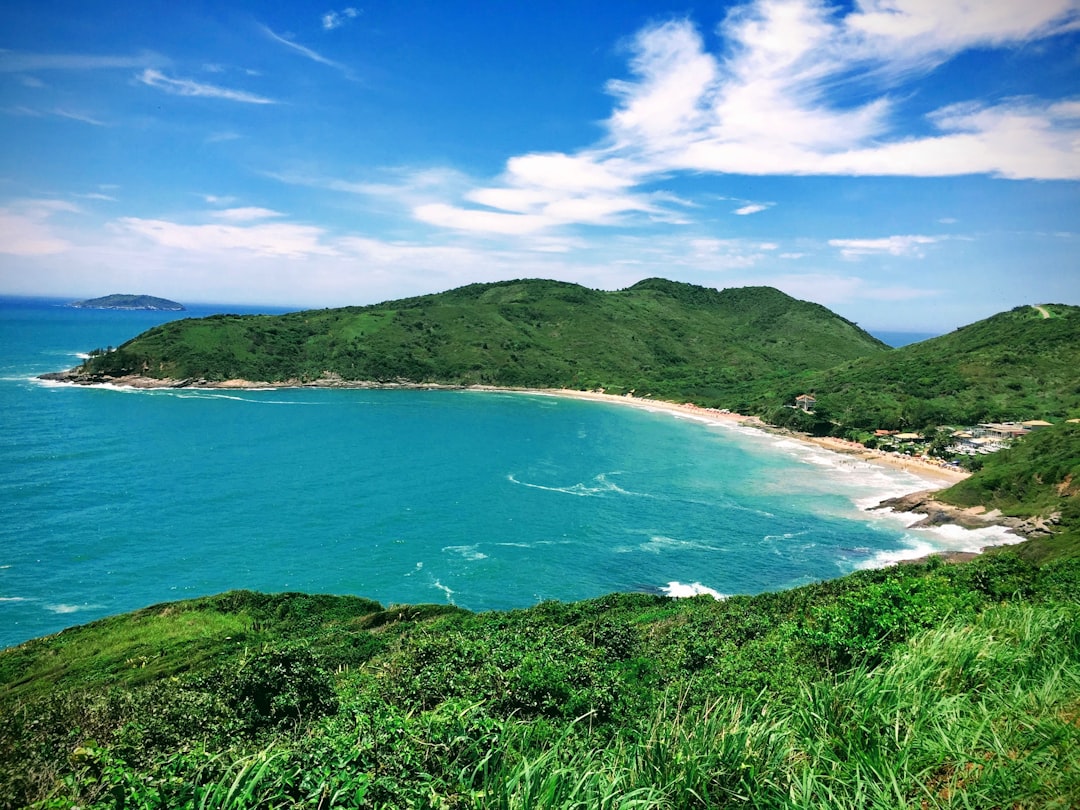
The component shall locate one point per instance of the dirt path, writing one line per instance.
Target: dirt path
(1042, 311)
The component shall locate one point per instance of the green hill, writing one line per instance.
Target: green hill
(909, 687)
(1016, 365)
(124, 301)
(660, 338)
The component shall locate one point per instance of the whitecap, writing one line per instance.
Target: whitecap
(449, 593)
(468, 552)
(66, 608)
(599, 487)
(679, 590)
(13, 599)
(660, 544)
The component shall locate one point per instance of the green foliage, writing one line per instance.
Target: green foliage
(1039, 476)
(1015, 365)
(657, 338)
(935, 684)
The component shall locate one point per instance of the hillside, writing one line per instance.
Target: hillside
(124, 301)
(1039, 476)
(914, 686)
(1016, 365)
(658, 338)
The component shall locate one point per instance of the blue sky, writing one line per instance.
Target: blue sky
(911, 164)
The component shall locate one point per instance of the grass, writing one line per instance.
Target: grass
(911, 687)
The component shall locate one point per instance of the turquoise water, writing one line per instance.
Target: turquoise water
(112, 500)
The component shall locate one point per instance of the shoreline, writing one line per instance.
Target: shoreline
(914, 465)
(918, 502)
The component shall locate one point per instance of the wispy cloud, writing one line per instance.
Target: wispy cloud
(249, 214)
(268, 240)
(78, 116)
(57, 112)
(909, 245)
(188, 87)
(25, 228)
(95, 195)
(336, 19)
(314, 56)
(23, 62)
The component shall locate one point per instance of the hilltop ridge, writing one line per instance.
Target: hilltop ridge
(658, 338)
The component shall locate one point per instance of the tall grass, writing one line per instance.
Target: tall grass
(966, 716)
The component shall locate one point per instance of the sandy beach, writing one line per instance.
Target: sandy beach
(918, 466)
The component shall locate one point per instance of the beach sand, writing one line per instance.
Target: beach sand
(946, 476)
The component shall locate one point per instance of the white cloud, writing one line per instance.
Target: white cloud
(905, 28)
(336, 19)
(910, 245)
(25, 228)
(77, 116)
(95, 195)
(58, 112)
(751, 208)
(270, 240)
(248, 214)
(766, 105)
(188, 87)
(313, 55)
(21, 61)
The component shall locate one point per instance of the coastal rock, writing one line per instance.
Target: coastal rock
(938, 513)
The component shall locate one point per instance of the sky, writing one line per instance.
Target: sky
(914, 165)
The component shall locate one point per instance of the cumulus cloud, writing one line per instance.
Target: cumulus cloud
(768, 102)
(188, 87)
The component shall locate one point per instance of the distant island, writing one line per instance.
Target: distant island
(122, 301)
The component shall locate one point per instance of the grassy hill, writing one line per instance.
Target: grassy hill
(658, 337)
(909, 687)
(1014, 365)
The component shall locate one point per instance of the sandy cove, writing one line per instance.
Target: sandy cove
(921, 502)
(918, 466)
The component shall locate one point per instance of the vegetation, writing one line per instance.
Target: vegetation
(122, 301)
(1016, 365)
(657, 338)
(752, 350)
(915, 686)
(1040, 477)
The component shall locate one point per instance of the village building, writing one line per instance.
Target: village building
(805, 402)
(907, 437)
(1036, 424)
(1001, 430)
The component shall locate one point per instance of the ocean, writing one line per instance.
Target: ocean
(112, 499)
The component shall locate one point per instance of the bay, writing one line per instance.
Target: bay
(113, 499)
